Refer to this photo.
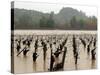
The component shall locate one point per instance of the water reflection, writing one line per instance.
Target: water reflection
(44, 65)
(34, 66)
(76, 67)
(61, 53)
(93, 64)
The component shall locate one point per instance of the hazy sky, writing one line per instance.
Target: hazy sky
(48, 7)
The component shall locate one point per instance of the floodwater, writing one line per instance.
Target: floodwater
(25, 64)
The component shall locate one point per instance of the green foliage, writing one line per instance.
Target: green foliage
(50, 21)
(67, 18)
(47, 22)
(73, 21)
(43, 22)
(80, 24)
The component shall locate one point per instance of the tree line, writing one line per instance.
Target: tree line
(30, 19)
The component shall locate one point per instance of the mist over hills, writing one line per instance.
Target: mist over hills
(67, 19)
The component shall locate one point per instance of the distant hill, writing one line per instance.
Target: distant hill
(31, 19)
(68, 13)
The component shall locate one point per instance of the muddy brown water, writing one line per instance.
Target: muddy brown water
(24, 64)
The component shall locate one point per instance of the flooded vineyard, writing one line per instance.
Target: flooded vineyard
(43, 51)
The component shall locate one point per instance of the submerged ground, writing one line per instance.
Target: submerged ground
(76, 50)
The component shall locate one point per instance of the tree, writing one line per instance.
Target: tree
(73, 22)
(25, 20)
(43, 22)
(81, 23)
(91, 22)
(50, 21)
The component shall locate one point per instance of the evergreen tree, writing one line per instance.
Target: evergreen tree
(73, 22)
(50, 21)
(43, 22)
